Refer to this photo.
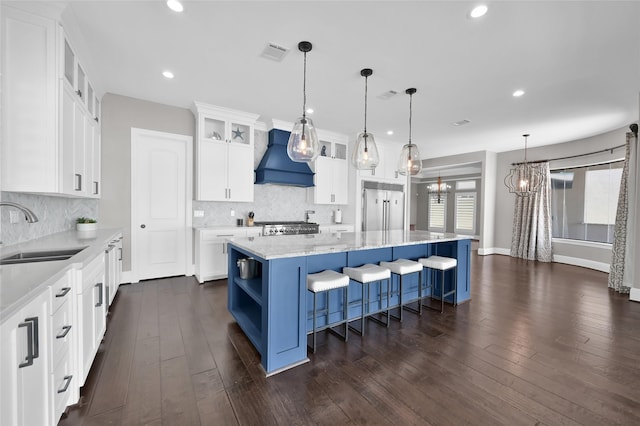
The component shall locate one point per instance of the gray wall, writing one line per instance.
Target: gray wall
(505, 200)
(119, 115)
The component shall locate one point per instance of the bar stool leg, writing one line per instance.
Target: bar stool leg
(314, 323)
(400, 297)
(442, 293)
(345, 313)
(389, 301)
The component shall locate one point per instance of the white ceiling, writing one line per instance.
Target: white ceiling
(578, 61)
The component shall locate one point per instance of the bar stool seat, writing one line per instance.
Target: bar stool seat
(324, 282)
(365, 275)
(402, 267)
(443, 264)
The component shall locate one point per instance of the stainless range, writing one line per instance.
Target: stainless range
(288, 228)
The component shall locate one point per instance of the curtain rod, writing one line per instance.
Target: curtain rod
(572, 156)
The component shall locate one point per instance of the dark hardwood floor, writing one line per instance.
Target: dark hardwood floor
(537, 344)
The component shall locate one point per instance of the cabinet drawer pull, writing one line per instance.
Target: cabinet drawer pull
(79, 92)
(119, 253)
(100, 301)
(67, 382)
(224, 235)
(29, 357)
(63, 292)
(78, 186)
(65, 331)
(95, 188)
(96, 118)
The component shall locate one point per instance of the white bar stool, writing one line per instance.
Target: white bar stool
(443, 264)
(402, 267)
(367, 274)
(324, 282)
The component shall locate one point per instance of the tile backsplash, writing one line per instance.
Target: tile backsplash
(55, 214)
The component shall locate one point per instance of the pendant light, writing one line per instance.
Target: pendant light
(365, 156)
(303, 141)
(524, 179)
(410, 162)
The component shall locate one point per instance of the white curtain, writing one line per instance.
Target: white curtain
(531, 236)
(624, 256)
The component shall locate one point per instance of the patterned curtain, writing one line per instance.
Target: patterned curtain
(531, 236)
(619, 248)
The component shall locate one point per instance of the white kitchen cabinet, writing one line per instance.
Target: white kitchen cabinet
(387, 169)
(337, 228)
(331, 176)
(44, 137)
(113, 268)
(91, 309)
(24, 365)
(211, 250)
(64, 389)
(224, 153)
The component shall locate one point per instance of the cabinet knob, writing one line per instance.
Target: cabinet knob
(143, 226)
(96, 118)
(79, 92)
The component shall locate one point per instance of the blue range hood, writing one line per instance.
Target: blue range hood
(276, 166)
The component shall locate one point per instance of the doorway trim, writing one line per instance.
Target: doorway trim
(136, 133)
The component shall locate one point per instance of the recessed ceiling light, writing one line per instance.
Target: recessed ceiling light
(518, 93)
(167, 74)
(478, 11)
(389, 132)
(175, 5)
(309, 110)
(460, 122)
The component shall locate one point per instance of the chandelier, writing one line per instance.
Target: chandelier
(524, 179)
(439, 189)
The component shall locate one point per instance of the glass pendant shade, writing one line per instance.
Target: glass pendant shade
(303, 141)
(303, 144)
(410, 161)
(365, 156)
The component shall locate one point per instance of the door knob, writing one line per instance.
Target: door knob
(143, 226)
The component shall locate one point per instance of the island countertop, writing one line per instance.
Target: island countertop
(284, 246)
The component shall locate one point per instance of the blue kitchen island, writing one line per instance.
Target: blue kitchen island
(274, 309)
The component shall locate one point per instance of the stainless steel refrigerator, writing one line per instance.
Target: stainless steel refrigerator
(383, 207)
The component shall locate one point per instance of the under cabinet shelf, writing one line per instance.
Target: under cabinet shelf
(249, 319)
(253, 287)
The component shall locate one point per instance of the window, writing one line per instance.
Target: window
(465, 213)
(465, 185)
(437, 212)
(584, 202)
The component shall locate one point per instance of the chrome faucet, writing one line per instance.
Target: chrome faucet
(29, 216)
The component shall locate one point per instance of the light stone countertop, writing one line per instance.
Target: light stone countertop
(20, 283)
(282, 246)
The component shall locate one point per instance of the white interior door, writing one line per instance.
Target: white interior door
(161, 200)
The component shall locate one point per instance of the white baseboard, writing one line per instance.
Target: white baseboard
(493, 250)
(634, 294)
(126, 277)
(585, 263)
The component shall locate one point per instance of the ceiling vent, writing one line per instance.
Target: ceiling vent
(274, 52)
(387, 95)
(460, 123)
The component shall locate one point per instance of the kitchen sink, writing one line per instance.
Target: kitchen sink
(40, 256)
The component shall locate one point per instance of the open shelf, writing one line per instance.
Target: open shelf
(253, 287)
(249, 319)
